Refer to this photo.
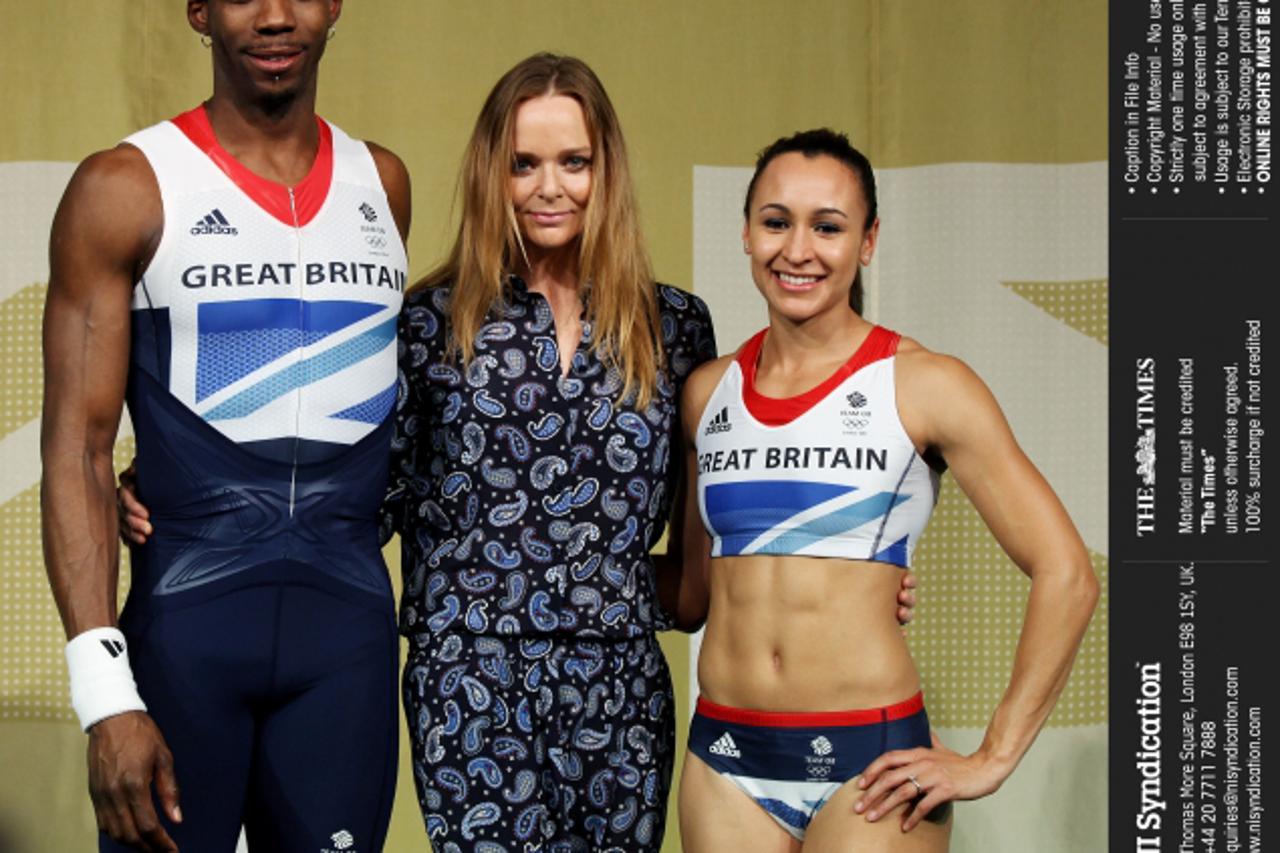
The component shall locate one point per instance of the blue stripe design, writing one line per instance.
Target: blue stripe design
(832, 524)
(373, 410)
(785, 812)
(237, 338)
(743, 511)
(306, 372)
(248, 315)
(895, 553)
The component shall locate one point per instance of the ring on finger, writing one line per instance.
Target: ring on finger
(919, 787)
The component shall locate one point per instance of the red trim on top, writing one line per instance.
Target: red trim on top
(811, 719)
(777, 411)
(308, 195)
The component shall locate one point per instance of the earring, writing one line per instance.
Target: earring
(206, 40)
(333, 31)
(746, 248)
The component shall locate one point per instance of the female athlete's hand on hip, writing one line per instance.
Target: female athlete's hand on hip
(931, 777)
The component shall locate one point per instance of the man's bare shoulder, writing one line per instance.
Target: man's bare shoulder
(111, 210)
(395, 183)
(387, 161)
(117, 183)
(122, 170)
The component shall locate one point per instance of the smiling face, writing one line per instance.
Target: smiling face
(265, 48)
(806, 234)
(551, 172)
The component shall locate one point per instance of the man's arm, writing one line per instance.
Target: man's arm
(93, 251)
(104, 232)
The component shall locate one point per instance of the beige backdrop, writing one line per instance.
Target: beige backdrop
(986, 119)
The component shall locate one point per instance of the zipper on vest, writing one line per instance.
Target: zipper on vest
(297, 413)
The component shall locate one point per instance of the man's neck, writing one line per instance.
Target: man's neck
(277, 139)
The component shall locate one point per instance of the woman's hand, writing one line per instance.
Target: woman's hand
(906, 600)
(135, 525)
(935, 776)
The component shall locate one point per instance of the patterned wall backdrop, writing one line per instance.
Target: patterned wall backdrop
(986, 120)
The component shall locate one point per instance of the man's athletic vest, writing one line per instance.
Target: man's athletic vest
(263, 361)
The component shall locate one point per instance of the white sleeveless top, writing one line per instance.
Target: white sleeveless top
(270, 311)
(831, 473)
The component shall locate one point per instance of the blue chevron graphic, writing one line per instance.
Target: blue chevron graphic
(372, 410)
(306, 372)
(237, 338)
(895, 553)
(746, 510)
(832, 524)
(785, 812)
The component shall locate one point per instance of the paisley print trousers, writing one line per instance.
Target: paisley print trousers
(540, 744)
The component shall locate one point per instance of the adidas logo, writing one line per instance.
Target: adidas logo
(821, 746)
(720, 423)
(115, 648)
(366, 210)
(725, 746)
(214, 223)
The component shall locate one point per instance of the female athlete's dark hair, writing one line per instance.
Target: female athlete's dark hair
(816, 143)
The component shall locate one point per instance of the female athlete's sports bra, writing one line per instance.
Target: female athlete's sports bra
(829, 473)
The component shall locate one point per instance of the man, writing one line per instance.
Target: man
(238, 272)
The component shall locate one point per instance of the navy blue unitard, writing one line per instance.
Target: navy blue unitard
(260, 618)
(539, 704)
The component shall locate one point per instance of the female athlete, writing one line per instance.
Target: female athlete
(818, 447)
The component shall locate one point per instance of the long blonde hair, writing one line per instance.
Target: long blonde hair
(622, 304)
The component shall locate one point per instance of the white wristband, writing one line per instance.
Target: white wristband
(102, 683)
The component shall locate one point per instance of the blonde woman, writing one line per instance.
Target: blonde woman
(818, 448)
(533, 471)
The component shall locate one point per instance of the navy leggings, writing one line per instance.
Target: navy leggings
(278, 703)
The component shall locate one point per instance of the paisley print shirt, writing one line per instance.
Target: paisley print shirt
(528, 501)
